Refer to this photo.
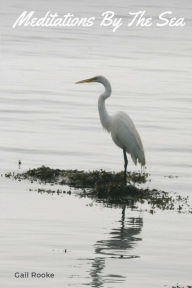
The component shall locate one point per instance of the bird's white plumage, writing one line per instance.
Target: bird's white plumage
(120, 125)
(125, 135)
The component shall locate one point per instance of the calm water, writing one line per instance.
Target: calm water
(45, 119)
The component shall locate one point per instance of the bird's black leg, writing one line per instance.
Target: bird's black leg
(125, 165)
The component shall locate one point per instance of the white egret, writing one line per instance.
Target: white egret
(121, 127)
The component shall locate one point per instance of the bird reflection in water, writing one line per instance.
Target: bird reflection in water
(122, 240)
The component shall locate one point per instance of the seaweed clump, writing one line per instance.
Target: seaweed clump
(178, 286)
(106, 186)
(78, 178)
(44, 174)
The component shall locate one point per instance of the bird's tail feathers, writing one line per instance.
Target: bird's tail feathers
(140, 158)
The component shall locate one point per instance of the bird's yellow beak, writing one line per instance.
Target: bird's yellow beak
(86, 80)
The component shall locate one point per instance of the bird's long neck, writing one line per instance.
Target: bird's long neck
(104, 116)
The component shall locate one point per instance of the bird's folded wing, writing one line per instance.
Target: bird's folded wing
(128, 136)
